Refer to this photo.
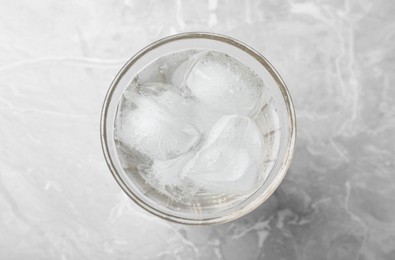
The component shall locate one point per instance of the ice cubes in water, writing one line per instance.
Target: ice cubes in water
(197, 124)
(150, 127)
(230, 161)
(225, 85)
(220, 85)
(182, 73)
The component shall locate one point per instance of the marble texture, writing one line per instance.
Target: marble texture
(58, 199)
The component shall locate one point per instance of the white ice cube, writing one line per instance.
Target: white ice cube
(181, 74)
(223, 84)
(153, 128)
(230, 161)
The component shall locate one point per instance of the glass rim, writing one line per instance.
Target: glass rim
(280, 84)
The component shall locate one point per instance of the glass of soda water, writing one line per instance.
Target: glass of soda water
(198, 128)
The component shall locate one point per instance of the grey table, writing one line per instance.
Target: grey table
(58, 199)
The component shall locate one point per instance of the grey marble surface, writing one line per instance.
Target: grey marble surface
(58, 199)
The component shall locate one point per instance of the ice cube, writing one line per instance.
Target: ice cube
(152, 127)
(162, 69)
(223, 84)
(181, 74)
(230, 161)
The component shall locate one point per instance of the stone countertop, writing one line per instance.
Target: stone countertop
(58, 199)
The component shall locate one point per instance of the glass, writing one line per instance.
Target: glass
(203, 209)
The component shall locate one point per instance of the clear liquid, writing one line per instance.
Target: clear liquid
(197, 128)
